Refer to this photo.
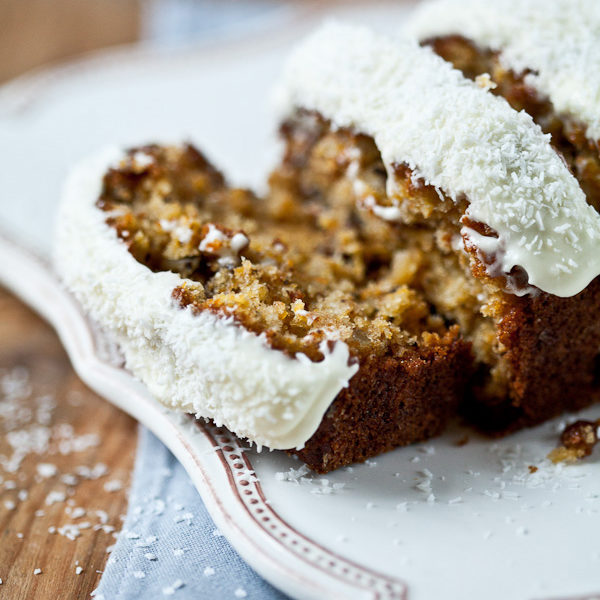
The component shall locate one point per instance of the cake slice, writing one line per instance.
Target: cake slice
(421, 243)
(252, 312)
(504, 243)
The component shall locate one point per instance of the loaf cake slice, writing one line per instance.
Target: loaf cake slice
(543, 57)
(246, 311)
(410, 253)
(504, 243)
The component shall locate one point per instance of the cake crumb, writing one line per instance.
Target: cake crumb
(139, 574)
(240, 593)
(208, 571)
(37, 571)
(78, 570)
(578, 440)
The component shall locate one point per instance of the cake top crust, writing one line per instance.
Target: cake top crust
(557, 42)
(458, 137)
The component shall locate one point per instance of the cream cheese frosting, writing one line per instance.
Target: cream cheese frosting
(558, 40)
(458, 137)
(198, 363)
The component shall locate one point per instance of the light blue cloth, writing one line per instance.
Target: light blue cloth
(168, 537)
(167, 22)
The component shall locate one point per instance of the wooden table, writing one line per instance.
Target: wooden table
(76, 432)
(77, 456)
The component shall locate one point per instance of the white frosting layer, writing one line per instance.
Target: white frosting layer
(200, 363)
(459, 138)
(557, 39)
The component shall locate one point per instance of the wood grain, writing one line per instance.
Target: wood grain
(83, 432)
(34, 32)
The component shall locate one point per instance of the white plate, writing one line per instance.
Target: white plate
(430, 521)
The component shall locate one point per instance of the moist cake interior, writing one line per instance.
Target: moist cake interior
(340, 168)
(298, 269)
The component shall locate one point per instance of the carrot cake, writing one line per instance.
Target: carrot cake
(413, 229)
(543, 57)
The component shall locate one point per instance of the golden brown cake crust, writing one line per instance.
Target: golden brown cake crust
(553, 347)
(391, 402)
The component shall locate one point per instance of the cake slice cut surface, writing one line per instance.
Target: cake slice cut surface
(506, 243)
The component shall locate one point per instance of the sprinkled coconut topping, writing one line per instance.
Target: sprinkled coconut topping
(459, 138)
(254, 390)
(223, 244)
(558, 40)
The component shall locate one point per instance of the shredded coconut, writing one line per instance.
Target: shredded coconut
(113, 486)
(54, 497)
(458, 138)
(171, 589)
(557, 42)
(46, 470)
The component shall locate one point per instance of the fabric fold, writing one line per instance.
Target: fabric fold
(169, 545)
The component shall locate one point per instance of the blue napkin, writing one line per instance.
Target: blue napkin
(169, 546)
